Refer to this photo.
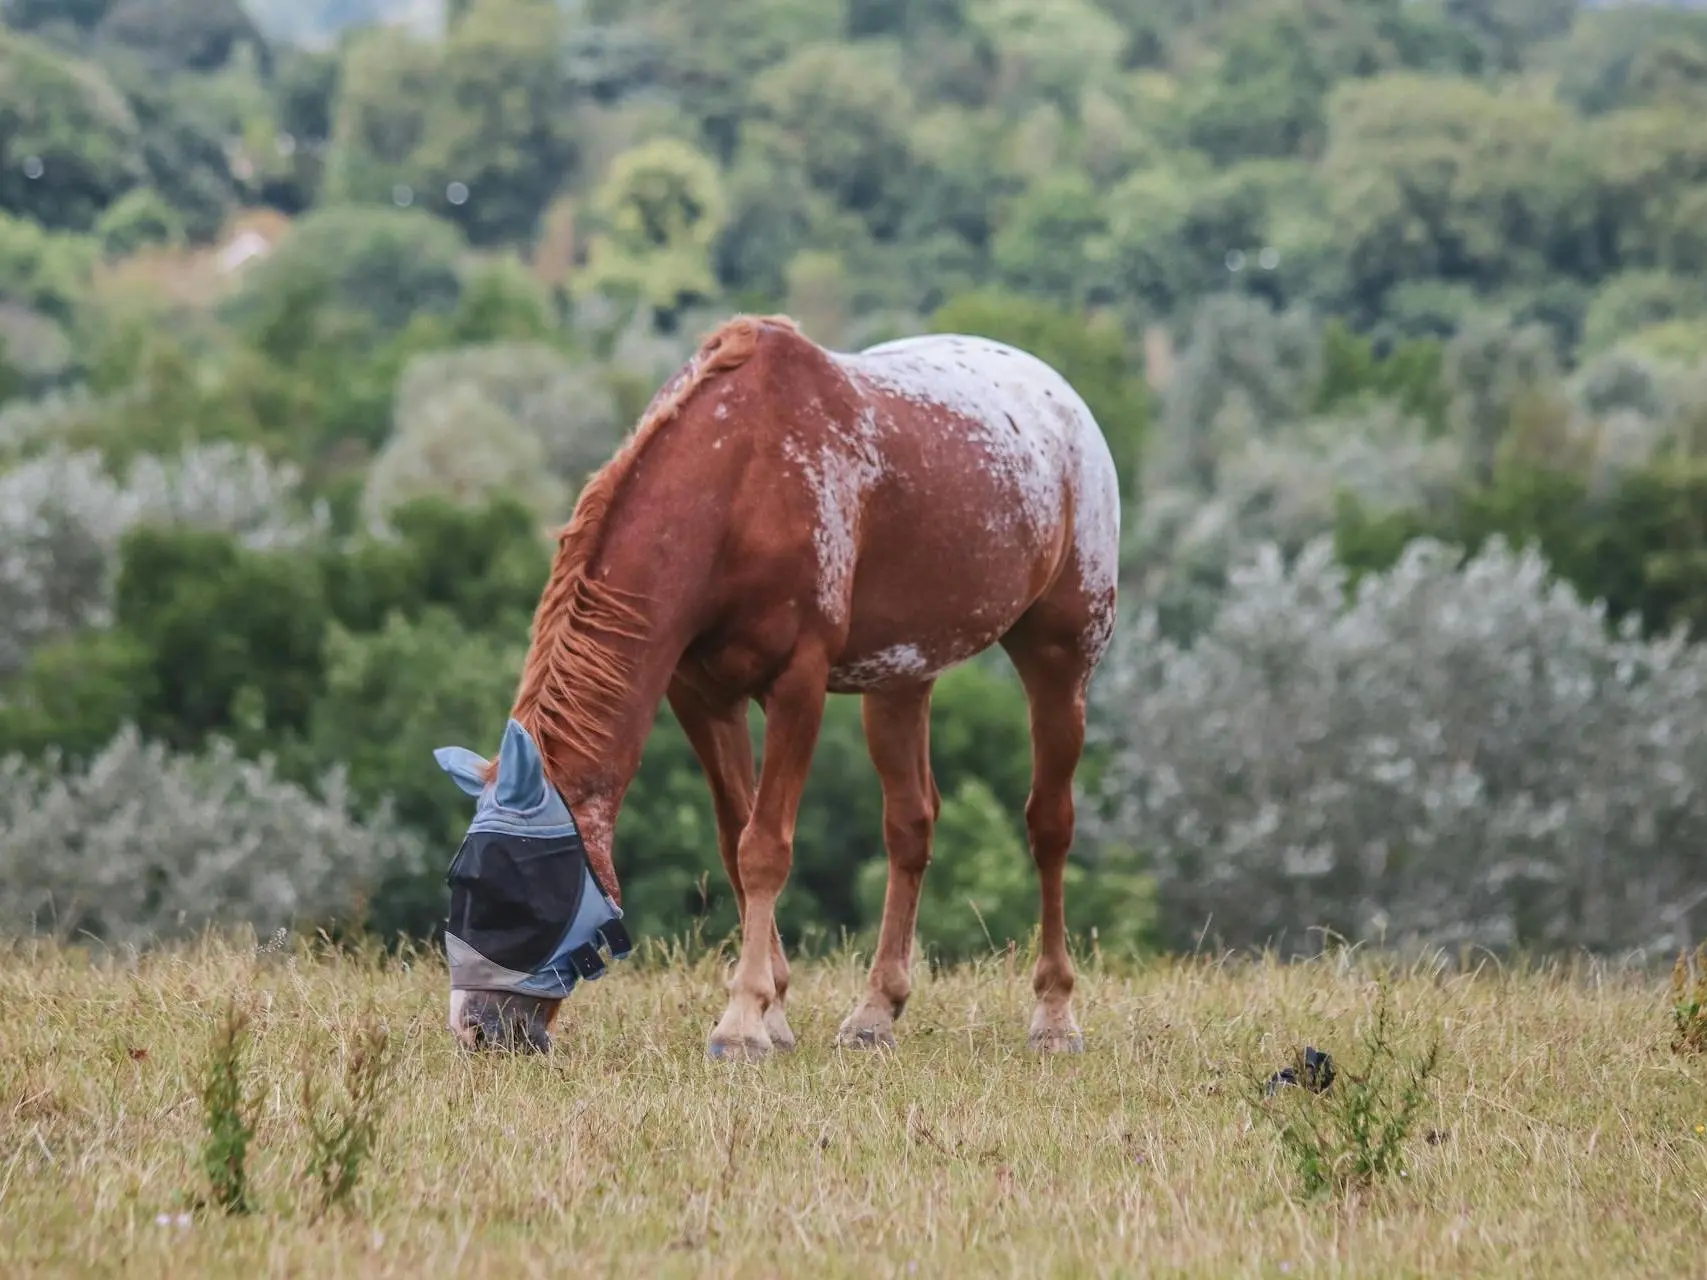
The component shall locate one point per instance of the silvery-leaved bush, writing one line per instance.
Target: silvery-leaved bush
(1445, 755)
(463, 447)
(144, 845)
(1246, 371)
(62, 516)
(236, 489)
(519, 417)
(27, 425)
(1284, 486)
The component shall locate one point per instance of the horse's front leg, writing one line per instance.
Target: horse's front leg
(794, 710)
(717, 732)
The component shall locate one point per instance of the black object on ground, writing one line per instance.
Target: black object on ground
(1314, 1070)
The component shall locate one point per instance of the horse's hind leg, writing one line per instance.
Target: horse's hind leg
(1052, 648)
(718, 735)
(897, 734)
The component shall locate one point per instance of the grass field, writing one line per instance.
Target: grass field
(1559, 1135)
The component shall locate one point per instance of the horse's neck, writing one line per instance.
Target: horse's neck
(659, 568)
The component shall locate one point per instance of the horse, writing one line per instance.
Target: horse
(787, 522)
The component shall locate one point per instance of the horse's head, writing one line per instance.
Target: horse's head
(527, 915)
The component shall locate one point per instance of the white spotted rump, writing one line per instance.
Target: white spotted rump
(1049, 487)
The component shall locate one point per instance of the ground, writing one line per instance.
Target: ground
(1560, 1136)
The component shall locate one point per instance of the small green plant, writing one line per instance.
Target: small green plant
(1351, 1136)
(1689, 1002)
(228, 1112)
(341, 1129)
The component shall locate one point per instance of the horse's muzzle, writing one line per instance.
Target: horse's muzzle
(500, 1020)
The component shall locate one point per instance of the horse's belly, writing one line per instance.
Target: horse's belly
(937, 581)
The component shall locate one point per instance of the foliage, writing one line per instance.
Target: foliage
(1635, 540)
(143, 844)
(195, 35)
(1689, 1002)
(465, 448)
(66, 117)
(342, 1129)
(1382, 271)
(141, 217)
(62, 518)
(1349, 1138)
(386, 266)
(43, 270)
(661, 207)
(485, 112)
(558, 410)
(228, 1111)
(980, 894)
(1444, 755)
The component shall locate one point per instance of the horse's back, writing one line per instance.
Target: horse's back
(990, 486)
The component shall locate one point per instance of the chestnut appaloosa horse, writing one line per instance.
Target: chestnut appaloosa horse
(788, 522)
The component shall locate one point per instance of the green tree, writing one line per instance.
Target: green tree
(1440, 177)
(483, 565)
(390, 697)
(1645, 205)
(174, 35)
(478, 130)
(1632, 56)
(183, 129)
(660, 208)
(385, 82)
(1410, 374)
(75, 694)
(1507, 30)
(69, 144)
(1642, 548)
(719, 49)
(140, 218)
(1633, 300)
(42, 270)
(28, 15)
(1049, 50)
(387, 266)
(981, 892)
(234, 637)
(1054, 243)
(499, 123)
(841, 113)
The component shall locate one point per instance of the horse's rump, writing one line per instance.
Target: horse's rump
(982, 482)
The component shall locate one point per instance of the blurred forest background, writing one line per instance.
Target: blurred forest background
(315, 313)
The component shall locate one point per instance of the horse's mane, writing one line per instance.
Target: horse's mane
(574, 679)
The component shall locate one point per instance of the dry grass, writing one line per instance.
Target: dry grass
(1560, 1136)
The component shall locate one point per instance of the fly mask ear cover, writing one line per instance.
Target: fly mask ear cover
(527, 915)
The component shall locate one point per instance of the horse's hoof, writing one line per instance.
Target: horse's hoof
(741, 1050)
(781, 1034)
(1056, 1042)
(865, 1038)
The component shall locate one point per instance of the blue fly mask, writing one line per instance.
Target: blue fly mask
(526, 914)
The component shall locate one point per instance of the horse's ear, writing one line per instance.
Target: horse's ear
(521, 773)
(466, 769)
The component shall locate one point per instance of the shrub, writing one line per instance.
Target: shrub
(1450, 755)
(62, 517)
(514, 417)
(144, 845)
(565, 405)
(389, 265)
